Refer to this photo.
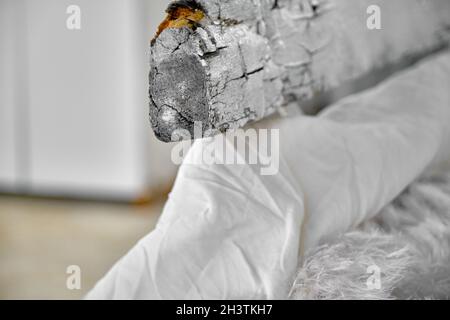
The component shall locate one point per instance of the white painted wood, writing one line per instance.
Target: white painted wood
(250, 58)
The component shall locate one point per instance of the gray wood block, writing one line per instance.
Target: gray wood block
(246, 59)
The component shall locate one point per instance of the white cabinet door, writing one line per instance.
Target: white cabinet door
(8, 80)
(74, 103)
(88, 101)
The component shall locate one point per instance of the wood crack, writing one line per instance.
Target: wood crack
(245, 59)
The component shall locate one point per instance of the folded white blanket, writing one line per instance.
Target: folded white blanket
(406, 247)
(228, 232)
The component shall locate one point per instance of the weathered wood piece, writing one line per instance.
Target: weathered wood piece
(227, 63)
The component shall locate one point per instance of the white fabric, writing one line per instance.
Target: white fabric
(228, 232)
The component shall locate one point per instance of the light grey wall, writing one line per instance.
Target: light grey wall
(79, 125)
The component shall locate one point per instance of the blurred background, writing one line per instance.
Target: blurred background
(81, 176)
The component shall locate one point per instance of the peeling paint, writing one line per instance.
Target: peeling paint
(242, 60)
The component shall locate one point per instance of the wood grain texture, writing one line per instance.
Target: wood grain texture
(246, 59)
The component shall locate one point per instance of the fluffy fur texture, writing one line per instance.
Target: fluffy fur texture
(409, 241)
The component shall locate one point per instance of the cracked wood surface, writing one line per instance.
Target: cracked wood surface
(246, 59)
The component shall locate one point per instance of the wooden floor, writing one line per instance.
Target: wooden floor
(40, 238)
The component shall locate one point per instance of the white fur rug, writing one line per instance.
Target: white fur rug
(408, 242)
